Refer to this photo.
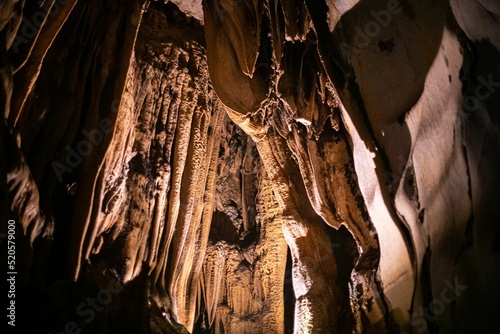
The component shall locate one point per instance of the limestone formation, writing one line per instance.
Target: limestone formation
(252, 166)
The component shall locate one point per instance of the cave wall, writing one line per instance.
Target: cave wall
(252, 166)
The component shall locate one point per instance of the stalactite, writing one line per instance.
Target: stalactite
(252, 166)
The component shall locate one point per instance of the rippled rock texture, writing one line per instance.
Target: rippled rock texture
(252, 166)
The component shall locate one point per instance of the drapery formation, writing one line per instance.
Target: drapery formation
(252, 166)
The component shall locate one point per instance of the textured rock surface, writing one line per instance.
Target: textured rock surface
(252, 166)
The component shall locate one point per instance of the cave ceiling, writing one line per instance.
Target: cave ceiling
(250, 166)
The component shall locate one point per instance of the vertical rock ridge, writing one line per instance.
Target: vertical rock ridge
(251, 166)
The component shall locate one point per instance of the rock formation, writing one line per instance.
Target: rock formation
(252, 166)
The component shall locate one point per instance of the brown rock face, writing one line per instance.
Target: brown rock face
(251, 166)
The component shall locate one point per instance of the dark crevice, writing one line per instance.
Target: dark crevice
(289, 295)
(426, 284)
(346, 253)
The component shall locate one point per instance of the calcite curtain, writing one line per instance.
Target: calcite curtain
(252, 166)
